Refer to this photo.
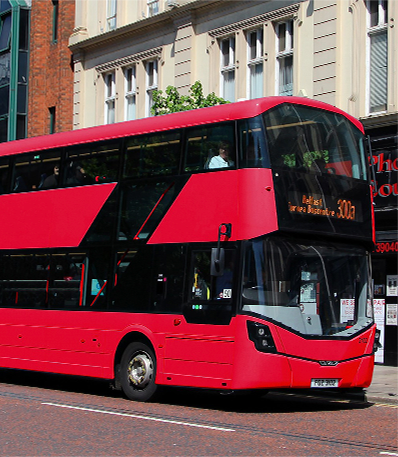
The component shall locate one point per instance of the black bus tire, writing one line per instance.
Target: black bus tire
(138, 372)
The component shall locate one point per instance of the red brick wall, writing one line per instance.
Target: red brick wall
(50, 70)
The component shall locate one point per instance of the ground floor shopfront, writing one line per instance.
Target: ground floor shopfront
(383, 140)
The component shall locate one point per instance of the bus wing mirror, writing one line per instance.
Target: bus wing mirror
(217, 261)
(218, 253)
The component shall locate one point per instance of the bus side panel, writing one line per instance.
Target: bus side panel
(189, 360)
(53, 218)
(244, 198)
(54, 341)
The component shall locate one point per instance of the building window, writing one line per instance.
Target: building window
(51, 112)
(111, 15)
(227, 48)
(55, 20)
(151, 84)
(152, 7)
(110, 97)
(130, 92)
(284, 57)
(5, 31)
(378, 55)
(255, 53)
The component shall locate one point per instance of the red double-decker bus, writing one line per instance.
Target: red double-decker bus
(225, 248)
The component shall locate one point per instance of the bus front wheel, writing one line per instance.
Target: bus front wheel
(138, 372)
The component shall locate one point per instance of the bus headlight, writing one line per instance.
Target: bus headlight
(261, 336)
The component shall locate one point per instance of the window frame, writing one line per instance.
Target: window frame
(152, 7)
(283, 54)
(257, 60)
(130, 91)
(151, 83)
(381, 28)
(228, 68)
(111, 15)
(110, 97)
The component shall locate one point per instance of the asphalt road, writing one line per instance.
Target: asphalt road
(49, 415)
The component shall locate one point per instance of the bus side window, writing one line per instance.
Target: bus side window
(4, 168)
(98, 278)
(67, 273)
(36, 171)
(203, 143)
(155, 154)
(252, 146)
(131, 281)
(205, 287)
(94, 164)
(24, 280)
(168, 278)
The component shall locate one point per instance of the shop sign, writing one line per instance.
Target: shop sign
(385, 164)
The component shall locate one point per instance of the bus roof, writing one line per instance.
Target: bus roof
(219, 113)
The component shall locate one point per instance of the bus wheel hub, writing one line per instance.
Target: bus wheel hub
(140, 370)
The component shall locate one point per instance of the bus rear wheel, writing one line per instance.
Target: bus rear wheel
(138, 372)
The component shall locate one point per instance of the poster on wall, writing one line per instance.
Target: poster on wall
(392, 287)
(391, 318)
(379, 306)
(347, 309)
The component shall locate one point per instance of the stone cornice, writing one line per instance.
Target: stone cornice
(125, 61)
(255, 21)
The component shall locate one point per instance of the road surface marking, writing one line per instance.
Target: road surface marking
(135, 416)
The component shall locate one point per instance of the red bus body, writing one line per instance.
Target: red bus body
(87, 341)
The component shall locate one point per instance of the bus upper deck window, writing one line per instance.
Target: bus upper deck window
(314, 141)
(210, 147)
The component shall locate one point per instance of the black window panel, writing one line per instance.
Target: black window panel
(23, 61)
(5, 64)
(3, 129)
(22, 98)
(4, 173)
(67, 272)
(5, 31)
(103, 228)
(24, 29)
(132, 285)
(24, 280)
(210, 298)
(98, 284)
(202, 144)
(92, 164)
(143, 205)
(36, 171)
(4, 99)
(252, 147)
(168, 279)
(21, 126)
(154, 154)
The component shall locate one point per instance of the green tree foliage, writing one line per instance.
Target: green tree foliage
(172, 101)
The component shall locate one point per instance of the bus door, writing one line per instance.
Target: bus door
(200, 343)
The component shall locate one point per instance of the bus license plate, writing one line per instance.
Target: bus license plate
(326, 383)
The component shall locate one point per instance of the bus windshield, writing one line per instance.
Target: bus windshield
(314, 141)
(313, 289)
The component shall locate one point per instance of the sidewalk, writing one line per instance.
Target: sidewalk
(384, 387)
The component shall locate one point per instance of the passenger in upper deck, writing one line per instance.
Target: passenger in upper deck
(78, 177)
(222, 160)
(52, 181)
